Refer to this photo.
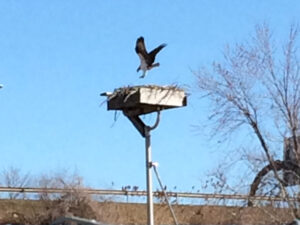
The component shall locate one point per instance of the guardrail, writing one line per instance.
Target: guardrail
(142, 193)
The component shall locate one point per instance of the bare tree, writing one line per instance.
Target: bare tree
(62, 180)
(73, 202)
(13, 177)
(257, 88)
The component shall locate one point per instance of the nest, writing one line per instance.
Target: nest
(130, 90)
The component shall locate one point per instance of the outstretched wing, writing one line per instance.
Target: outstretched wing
(140, 47)
(153, 53)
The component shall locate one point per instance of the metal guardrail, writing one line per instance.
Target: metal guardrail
(141, 193)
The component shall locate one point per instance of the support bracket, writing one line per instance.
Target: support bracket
(139, 124)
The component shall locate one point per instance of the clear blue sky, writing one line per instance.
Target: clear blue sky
(56, 57)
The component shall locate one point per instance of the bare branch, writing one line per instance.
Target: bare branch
(257, 88)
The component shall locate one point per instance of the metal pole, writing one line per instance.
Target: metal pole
(150, 214)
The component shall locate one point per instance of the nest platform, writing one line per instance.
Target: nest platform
(138, 100)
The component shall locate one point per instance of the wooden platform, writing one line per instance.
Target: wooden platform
(138, 100)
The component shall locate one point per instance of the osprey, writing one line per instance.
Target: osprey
(147, 59)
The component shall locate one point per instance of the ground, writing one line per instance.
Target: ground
(31, 212)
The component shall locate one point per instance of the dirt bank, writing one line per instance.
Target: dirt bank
(30, 212)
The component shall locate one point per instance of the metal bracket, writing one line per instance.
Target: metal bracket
(140, 125)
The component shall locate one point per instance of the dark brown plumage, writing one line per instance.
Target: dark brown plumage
(147, 59)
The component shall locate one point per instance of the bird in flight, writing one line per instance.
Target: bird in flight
(147, 59)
